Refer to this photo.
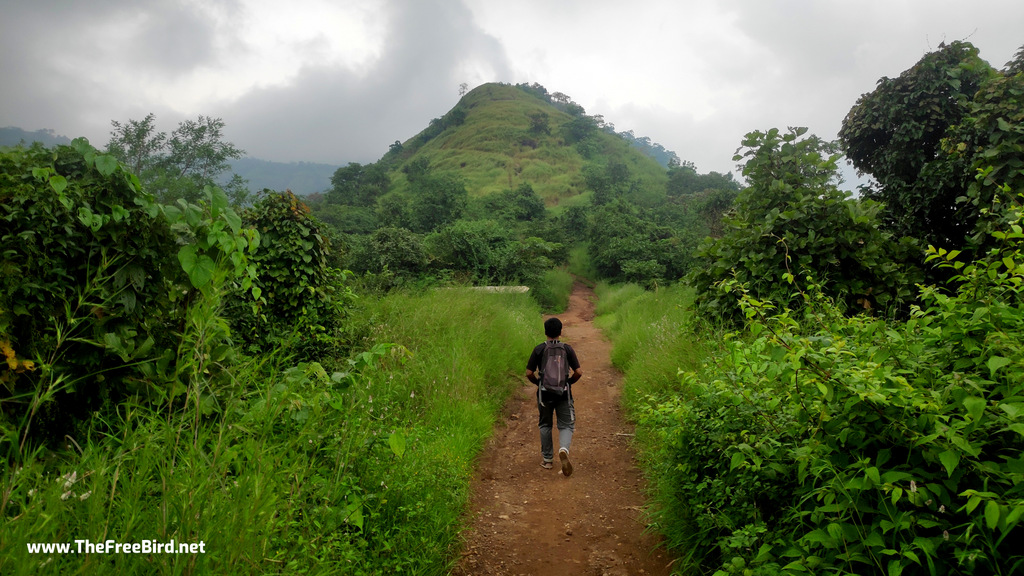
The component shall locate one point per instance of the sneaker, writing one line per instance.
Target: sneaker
(547, 465)
(563, 455)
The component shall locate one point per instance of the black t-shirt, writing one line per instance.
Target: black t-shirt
(534, 362)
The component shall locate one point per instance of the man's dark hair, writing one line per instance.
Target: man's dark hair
(552, 327)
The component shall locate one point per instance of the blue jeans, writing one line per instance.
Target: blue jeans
(562, 406)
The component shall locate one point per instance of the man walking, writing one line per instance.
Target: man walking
(548, 368)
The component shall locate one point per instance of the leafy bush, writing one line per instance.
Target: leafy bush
(103, 287)
(477, 250)
(522, 204)
(86, 290)
(826, 444)
(303, 298)
(987, 150)
(397, 250)
(284, 467)
(792, 222)
(627, 246)
(436, 200)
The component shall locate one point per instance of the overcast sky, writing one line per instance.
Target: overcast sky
(336, 81)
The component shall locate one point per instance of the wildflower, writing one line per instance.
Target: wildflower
(945, 534)
(85, 496)
(942, 508)
(66, 495)
(69, 479)
(913, 486)
(31, 492)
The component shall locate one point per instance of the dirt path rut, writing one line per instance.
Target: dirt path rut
(532, 521)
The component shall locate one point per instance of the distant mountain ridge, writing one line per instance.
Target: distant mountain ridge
(302, 178)
(12, 136)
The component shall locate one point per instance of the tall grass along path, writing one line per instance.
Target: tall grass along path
(529, 520)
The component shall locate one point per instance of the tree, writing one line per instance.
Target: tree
(627, 245)
(539, 123)
(137, 144)
(1015, 66)
(608, 182)
(987, 151)
(579, 128)
(475, 248)
(358, 185)
(894, 134)
(397, 250)
(683, 179)
(792, 223)
(393, 211)
(416, 169)
(523, 203)
(437, 199)
(194, 156)
(197, 149)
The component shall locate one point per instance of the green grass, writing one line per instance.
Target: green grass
(580, 263)
(281, 468)
(652, 335)
(553, 289)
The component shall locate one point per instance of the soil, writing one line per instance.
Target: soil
(530, 520)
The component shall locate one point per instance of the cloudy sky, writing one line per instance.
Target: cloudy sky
(336, 81)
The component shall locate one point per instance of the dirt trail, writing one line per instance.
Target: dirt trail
(528, 520)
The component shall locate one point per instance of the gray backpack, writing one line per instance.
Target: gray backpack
(554, 368)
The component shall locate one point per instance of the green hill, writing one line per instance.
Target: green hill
(500, 136)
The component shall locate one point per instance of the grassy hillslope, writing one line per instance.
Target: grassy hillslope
(494, 149)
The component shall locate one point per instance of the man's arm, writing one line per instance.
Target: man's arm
(532, 365)
(532, 377)
(577, 373)
(574, 363)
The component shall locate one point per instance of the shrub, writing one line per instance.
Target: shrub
(825, 444)
(303, 297)
(792, 222)
(89, 284)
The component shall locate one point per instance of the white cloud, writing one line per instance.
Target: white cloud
(322, 80)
